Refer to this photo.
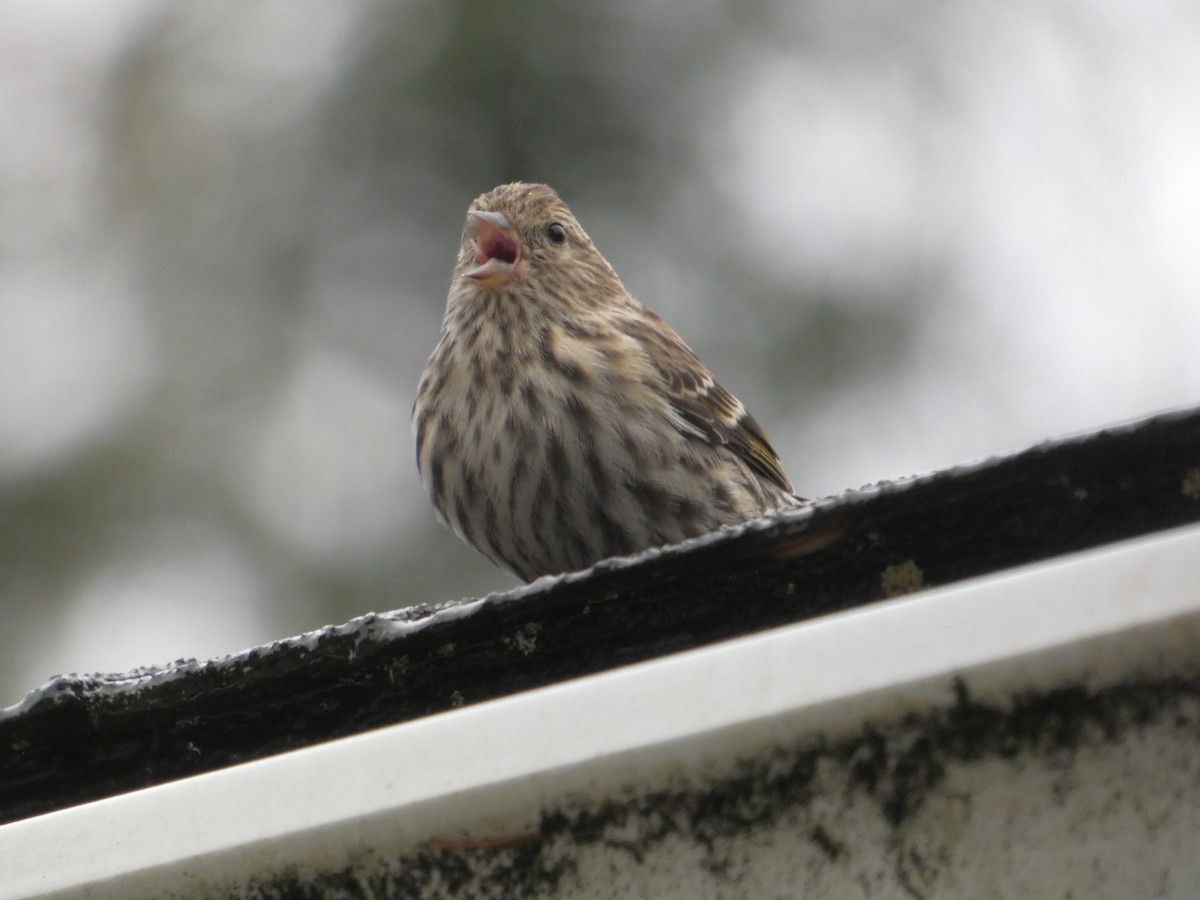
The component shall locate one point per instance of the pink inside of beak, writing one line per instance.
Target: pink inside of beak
(497, 245)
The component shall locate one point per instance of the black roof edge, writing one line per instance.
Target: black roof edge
(79, 738)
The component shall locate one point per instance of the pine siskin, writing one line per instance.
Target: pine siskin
(558, 421)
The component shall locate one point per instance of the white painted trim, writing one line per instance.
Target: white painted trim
(268, 803)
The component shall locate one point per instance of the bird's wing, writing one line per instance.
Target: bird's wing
(705, 407)
(721, 419)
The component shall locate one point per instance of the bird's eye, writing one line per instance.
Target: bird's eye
(556, 233)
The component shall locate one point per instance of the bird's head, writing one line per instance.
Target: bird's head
(524, 234)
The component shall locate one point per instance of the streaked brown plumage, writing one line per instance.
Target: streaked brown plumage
(558, 421)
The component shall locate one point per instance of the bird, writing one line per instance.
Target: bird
(558, 421)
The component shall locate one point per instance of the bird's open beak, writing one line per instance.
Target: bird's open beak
(497, 248)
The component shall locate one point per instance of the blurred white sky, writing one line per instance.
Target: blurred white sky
(1036, 163)
(1057, 173)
